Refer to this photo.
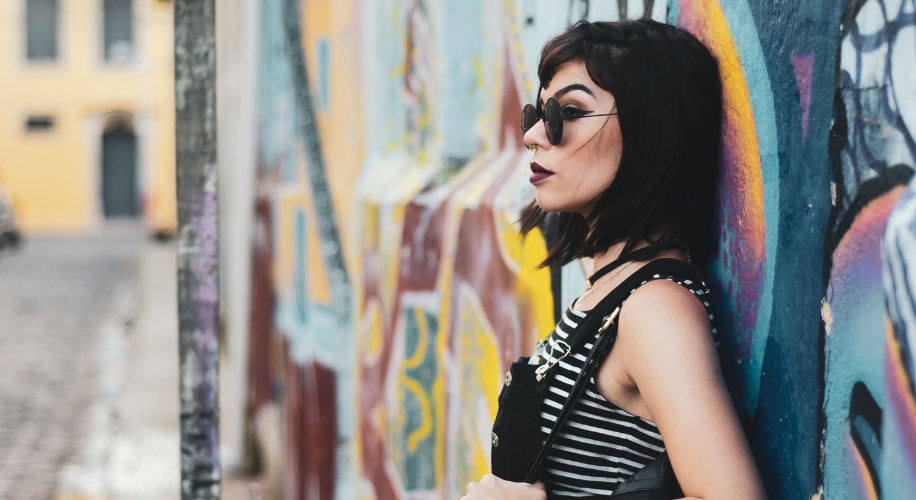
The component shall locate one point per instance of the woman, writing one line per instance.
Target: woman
(635, 186)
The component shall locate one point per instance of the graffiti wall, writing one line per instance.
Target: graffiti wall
(872, 157)
(897, 441)
(391, 288)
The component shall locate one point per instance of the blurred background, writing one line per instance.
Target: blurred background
(373, 285)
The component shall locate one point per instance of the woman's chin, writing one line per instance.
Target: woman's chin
(547, 207)
(550, 205)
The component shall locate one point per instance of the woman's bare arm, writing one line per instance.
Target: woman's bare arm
(668, 353)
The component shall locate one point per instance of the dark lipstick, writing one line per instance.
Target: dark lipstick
(538, 173)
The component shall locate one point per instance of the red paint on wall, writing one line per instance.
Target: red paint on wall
(478, 262)
(262, 311)
(311, 431)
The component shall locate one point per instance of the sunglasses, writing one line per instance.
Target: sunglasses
(553, 117)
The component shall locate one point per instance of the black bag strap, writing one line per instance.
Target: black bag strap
(607, 311)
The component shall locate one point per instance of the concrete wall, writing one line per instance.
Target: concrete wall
(56, 176)
(390, 289)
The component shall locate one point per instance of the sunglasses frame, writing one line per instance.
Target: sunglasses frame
(553, 119)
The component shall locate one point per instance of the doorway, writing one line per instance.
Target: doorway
(119, 168)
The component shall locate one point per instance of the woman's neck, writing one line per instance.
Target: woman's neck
(613, 253)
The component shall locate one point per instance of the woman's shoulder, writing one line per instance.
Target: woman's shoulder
(668, 311)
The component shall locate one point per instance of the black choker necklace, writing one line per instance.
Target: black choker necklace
(623, 259)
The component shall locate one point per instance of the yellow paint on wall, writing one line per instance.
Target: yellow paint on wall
(370, 222)
(426, 413)
(524, 255)
(381, 227)
(319, 288)
(371, 334)
(533, 283)
(480, 368)
(423, 341)
(339, 123)
(390, 254)
(439, 398)
(55, 177)
(429, 410)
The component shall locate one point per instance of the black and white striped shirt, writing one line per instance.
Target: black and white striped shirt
(600, 444)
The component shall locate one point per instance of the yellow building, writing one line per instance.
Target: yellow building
(87, 122)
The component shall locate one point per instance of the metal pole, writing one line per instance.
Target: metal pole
(198, 279)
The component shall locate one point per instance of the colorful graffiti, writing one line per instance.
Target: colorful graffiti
(394, 289)
(748, 192)
(872, 153)
(896, 466)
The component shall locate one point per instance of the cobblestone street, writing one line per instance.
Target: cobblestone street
(52, 294)
(89, 371)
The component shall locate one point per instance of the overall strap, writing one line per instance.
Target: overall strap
(604, 318)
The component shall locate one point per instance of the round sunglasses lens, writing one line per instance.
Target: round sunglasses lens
(553, 120)
(529, 118)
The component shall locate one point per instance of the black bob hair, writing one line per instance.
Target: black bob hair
(669, 103)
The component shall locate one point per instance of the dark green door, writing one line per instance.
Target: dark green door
(119, 175)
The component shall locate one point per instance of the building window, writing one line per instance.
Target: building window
(119, 30)
(39, 124)
(41, 29)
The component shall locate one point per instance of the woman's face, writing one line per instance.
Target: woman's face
(584, 163)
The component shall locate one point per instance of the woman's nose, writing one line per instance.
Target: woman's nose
(536, 136)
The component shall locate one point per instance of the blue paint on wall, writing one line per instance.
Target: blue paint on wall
(744, 32)
(788, 419)
(299, 269)
(276, 110)
(460, 45)
(323, 49)
(674, 10)
(900, 288)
